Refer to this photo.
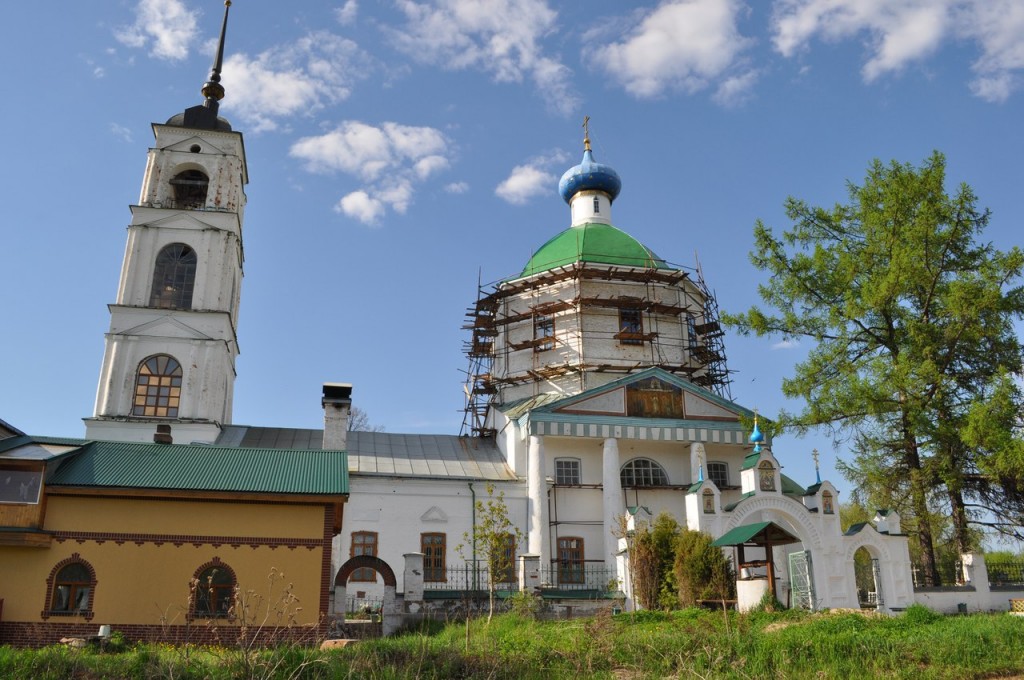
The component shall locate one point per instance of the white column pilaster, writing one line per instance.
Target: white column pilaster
(612, 508)
(538, 497)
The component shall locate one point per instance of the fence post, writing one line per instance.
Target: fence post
(412, 582)
(529, 573)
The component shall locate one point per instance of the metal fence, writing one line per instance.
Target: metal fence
(1001, 572)
(594, 576)
(363, 605)
(470, 578)
(1005, 572)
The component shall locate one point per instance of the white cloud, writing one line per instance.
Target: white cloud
(165, 25)
(346, 14)
(681, 45)
(121, 131)
(425, 167)
(457, 188)
(361, 206)
(901, 32)
(998, 26)
(736, 90)
(390, 158)
(525, 182)
(502, 37)
(301, 77)
(788, 343)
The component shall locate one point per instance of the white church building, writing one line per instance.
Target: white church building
(598, 391)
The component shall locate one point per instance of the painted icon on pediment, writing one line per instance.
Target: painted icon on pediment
(654, 398)
(767, 476)
(709, 501)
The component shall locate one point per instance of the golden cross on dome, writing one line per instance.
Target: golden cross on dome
(586, 133)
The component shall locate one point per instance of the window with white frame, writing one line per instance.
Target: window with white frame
(643, 472)
(567, 471)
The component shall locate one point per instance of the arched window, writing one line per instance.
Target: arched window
(214, 589)
(158, 387)
(190, 189)
(643, 472)
(174, 277)
(597, 206)
(70, 588)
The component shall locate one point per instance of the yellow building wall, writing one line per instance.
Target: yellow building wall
(143, 576)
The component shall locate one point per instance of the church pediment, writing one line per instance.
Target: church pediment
(650, 394)
(187, 144)
(178, 220)
(166, 327)
(434, 514)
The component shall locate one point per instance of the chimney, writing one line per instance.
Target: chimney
(337, 403)
(163, 434)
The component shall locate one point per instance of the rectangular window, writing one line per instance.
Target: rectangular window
(631, 327)
(567, 471)
(433, 548)
(570, 559)
(543, 332)
(691, 332)
(364, 543)
(719, 474)
(20, 486)
(507, 564)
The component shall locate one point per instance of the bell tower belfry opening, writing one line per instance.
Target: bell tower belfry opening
(169, 357)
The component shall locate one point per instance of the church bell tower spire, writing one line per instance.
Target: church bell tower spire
(169, 357)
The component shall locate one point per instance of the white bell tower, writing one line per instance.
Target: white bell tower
(169, 356)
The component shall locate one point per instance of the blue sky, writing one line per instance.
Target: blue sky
(401, 151)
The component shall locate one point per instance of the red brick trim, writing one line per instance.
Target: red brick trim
(87, 613)
(196, 582)
(325, 570)
(179, 540)
(369, 562)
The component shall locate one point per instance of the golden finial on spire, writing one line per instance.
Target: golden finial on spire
(586, 133)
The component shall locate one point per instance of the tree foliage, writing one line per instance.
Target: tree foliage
(359, 421)
(911, 317)
(492, 540)
(702, 572)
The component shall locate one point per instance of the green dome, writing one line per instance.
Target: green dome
(592, 242)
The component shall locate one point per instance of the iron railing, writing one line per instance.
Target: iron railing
(579, 575)
(1003, 572)
(469, 578)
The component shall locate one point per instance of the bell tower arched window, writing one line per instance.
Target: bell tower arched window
(190, 189)
(158, 387)
(174, 277)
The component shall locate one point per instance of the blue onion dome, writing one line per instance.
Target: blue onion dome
(756, 437)
(589, 174)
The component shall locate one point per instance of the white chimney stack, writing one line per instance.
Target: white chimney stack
(337, 403)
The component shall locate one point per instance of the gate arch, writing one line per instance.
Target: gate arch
(369, 562)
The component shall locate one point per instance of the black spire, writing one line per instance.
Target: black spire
(204, 116)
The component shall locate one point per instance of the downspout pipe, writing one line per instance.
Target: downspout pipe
(476, 577)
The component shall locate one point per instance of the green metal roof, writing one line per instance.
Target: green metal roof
(592, 242)
(759, 533)
(204, 468)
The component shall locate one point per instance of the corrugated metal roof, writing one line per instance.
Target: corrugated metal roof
(204, 468)
(385, 453)
(426, 455)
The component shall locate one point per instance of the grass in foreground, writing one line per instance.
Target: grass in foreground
(919, 644)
